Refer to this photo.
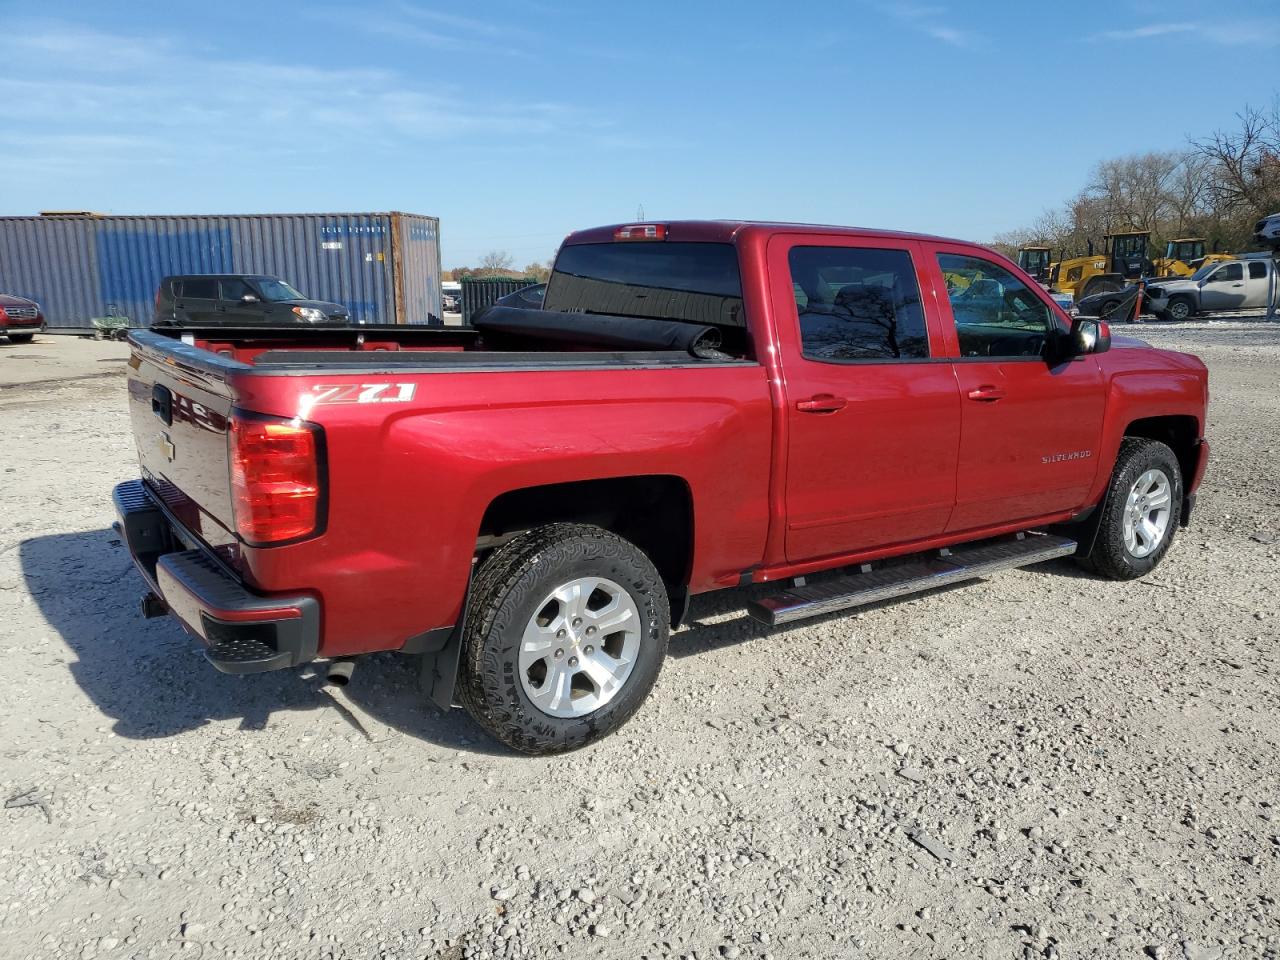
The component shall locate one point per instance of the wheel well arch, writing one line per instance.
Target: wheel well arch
(655, 512)
(1180, 432)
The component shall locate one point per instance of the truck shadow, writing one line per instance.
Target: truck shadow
(151, 679)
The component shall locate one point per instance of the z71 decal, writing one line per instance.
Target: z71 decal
(361, 393)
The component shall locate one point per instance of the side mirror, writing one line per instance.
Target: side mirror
(249, 298)
(1089, 335)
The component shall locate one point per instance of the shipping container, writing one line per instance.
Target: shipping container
(383, 267)
(479, 292)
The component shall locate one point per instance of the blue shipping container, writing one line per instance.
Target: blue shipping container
(383, 267)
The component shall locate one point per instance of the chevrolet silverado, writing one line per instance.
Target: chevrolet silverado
(843, 415)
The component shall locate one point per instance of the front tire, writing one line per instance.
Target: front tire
(567, 628)
(1140, 511)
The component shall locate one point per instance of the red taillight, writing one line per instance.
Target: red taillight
(275, 478)
(641, 231)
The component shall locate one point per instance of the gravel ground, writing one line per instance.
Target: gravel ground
(1040, 765)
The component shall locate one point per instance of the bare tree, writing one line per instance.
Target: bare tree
(538, 271)
(496, 261)
(1243, 171)
(1245, 163)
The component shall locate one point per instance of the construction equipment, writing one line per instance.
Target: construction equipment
(1123, 260)
(1184, 257)
(1037, 262)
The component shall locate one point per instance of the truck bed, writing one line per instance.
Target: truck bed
(369, 349)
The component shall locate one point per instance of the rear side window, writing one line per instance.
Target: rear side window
(1257, 271)
(197, 289)
(690, 282)
(856, 304)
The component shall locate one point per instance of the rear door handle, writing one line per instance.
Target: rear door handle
(987, 393)
(822, 403)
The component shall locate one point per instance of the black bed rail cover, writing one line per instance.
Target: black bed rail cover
(601, 330)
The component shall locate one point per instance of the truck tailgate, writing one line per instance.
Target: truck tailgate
(179, 414)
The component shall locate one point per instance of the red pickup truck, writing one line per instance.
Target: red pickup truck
(529, 503)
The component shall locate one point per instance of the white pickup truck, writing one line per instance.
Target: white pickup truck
(1244, 284)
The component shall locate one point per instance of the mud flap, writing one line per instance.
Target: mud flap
(1083, 529)
(439, 674)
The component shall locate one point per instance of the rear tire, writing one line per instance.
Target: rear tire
(567, 628)
(1140, 512)
(21, 337)
(1180, 308)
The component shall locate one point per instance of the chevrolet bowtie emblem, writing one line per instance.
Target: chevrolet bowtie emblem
(166, 445)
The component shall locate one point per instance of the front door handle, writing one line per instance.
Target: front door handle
(822, 403)
(987, 393)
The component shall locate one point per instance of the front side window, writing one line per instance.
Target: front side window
(277, 290)
(996, 314)
(234, 289)
(1229, 273)
(858, 303)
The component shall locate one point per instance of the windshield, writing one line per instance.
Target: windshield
(277, 290)
(692, 282)
(1203, 272)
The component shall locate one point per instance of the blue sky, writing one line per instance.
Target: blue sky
(516, 122)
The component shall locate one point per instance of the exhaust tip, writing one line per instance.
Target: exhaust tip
(339, 672)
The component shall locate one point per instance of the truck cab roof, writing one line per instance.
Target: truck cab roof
(728, 231)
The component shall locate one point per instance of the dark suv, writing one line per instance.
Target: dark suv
(239, 300)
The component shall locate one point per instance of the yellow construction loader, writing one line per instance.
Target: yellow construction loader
(1036, 261)
(1123, 260)
(1184, 257)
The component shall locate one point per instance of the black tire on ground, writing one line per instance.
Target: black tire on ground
(21, 337)
(504, 598)
(1111, 556)
(1180, 308)
(1107, 309)
(1099, 285)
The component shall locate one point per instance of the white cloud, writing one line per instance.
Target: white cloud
(931, 20)
(957, 38)
(153, 96)
(1228, 33)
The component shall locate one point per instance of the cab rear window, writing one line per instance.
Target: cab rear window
(690, 282)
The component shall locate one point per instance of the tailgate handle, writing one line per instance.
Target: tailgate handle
(162, 404)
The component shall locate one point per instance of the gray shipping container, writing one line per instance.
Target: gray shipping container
(383, 267)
